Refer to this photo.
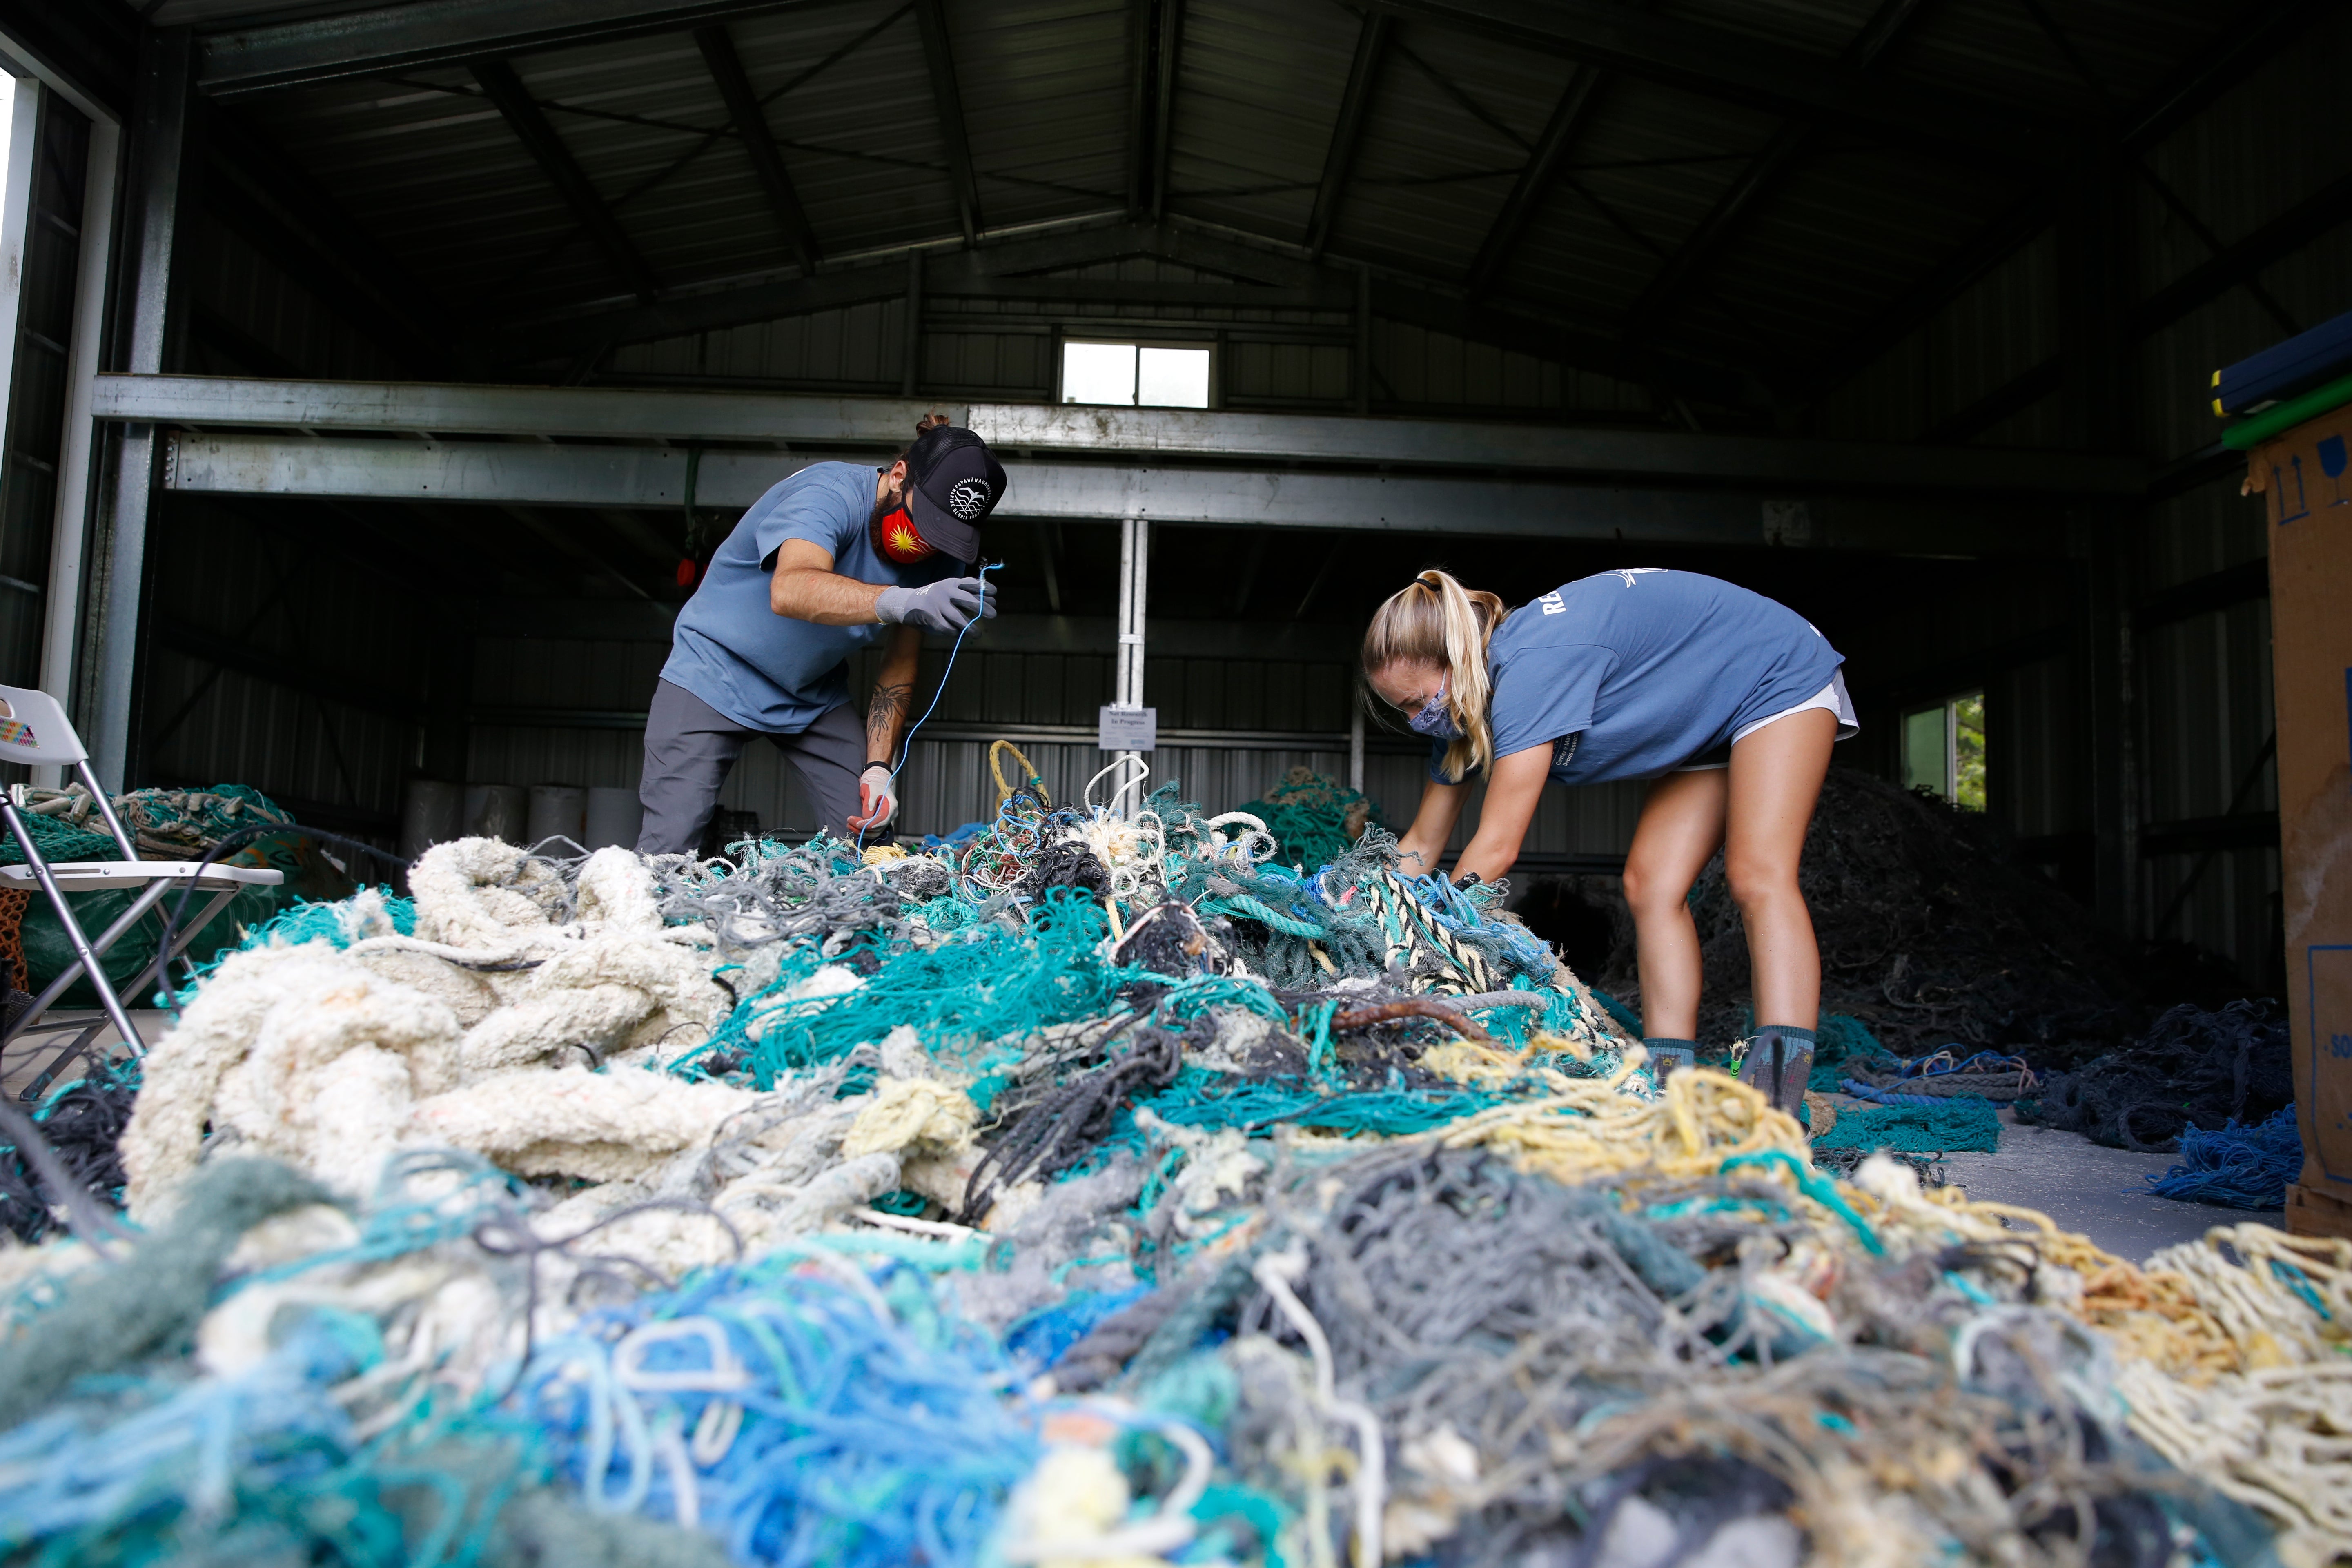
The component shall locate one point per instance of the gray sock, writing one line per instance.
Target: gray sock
(1671, 1056)
(1780, 1061)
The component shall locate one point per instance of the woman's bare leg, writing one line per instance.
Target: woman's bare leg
(1681, 826)
(1775, 778)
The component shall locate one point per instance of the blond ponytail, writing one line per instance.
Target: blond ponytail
(1434, 619)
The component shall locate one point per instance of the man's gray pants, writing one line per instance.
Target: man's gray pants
(690, 746)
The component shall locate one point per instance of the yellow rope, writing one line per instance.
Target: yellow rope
(1590, 1127)
(996, 754)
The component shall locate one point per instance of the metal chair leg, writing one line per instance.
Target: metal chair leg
(74, 933)
(74, 971)
(77, 1046)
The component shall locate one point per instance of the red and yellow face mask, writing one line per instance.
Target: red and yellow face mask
(897, 537)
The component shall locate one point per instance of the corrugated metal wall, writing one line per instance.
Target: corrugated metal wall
(2199, 684)
(34, 442)
(1231, 728)
(278, 664)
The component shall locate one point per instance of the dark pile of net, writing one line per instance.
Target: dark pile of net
(1095, 1190)
(1929, 934)
(2216, 1088)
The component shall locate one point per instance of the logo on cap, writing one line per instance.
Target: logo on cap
(968, 498)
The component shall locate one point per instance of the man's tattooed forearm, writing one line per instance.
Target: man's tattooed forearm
(885, 712)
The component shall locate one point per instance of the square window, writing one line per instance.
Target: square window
(1098, 372)
(1944, 750)
(1173, 378)
(1127, 375)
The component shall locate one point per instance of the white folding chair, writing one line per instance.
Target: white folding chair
(33, 731)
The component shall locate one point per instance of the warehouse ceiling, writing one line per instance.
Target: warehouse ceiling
(1728, 203)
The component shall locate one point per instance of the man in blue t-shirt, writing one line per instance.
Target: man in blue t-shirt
(816, 570)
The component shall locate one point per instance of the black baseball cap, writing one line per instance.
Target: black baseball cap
(953, 482)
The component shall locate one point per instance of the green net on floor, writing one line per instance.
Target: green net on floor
(166, 824)
(1315, 819)
(1964, 1124)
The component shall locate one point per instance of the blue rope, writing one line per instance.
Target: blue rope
(2238, 1167)
(906, 744)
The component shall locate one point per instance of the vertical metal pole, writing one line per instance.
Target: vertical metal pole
(2098, 397)
(24, 134)
(160, 159)
(1363, 340)
(1134, 589)
(1138, 600)
(1952, 752)
(1356, 740)
(911, 340)
(78, 480)
(1126, 610)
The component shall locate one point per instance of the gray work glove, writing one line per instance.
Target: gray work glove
(877, 799)
(944, 607)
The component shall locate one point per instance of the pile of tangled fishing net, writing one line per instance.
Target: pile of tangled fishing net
(1314, 820)
(2216, 1088)
(1928, 934)
(1094, 1191)
(2191, 1069)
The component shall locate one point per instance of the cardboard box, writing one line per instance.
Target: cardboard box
(2302, 474)
(2311, 1212)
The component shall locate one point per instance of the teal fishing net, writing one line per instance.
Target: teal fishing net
(1961, 1125)
(165, 824)
(995, 981)
(1314, 820)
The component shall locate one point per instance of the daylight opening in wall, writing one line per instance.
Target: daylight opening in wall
(1131, 376)
(7, 124)
(1944, 750)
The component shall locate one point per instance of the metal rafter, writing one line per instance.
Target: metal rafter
(651, 434)
(947, 102)
(2289, 232)
(528, 478)
(1761, 181)
(2215, 246)
(547, 149)
(1142, 25)
(1718, 62)
(398, 306)
(2259, 30)
(991, 269)
(751, 124)
(1891, 322)
(1347, 134)
(1569, 118)
(398, 36)
(1171, 50)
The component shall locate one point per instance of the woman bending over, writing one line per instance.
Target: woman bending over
(1726, 702)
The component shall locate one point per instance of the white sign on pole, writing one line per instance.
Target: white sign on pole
(1128, 729)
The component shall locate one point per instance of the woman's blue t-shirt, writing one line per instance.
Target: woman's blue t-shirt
(1647, 668)
(768, 671)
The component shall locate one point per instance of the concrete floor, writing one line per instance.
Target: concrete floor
(2099, 1192)
(25, 1060)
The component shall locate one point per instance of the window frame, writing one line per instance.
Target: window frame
(1066, 336)
(1949, 707)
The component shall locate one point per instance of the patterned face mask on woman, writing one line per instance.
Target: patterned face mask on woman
(1435, 719)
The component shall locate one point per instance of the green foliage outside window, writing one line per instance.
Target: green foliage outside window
(1944, 751)
(1968, 753)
